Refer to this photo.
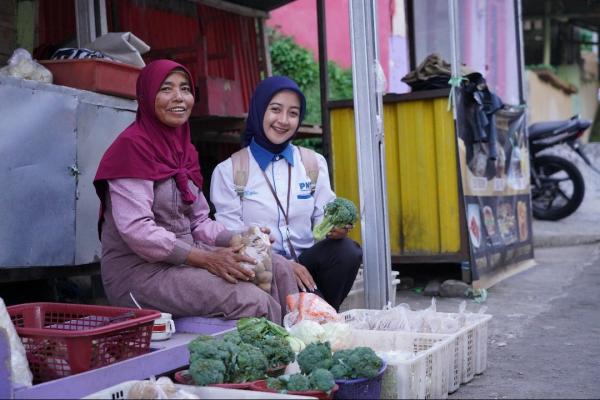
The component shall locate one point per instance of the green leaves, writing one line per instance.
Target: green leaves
(290, 59)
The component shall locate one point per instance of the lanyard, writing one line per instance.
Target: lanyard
(284, 212)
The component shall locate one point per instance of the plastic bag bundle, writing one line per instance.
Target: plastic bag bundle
(257, 245)
(402, 318)
(163, 388)
(309, 306)
(22, 65)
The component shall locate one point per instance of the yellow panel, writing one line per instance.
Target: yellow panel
(448, 186)
(421, 174)
(345, 167)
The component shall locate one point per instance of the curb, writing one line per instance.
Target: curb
(564, 240)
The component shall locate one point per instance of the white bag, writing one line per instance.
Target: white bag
(21, 375)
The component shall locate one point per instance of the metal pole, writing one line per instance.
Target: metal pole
(85, 20)
(520, 55)
(453, 16)
(368, 118)
(324, 84)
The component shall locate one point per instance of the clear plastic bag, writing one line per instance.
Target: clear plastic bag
(256, 245)
(22, 65)
(20, 372)
(305, 305)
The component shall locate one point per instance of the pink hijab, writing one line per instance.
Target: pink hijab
(149, 149)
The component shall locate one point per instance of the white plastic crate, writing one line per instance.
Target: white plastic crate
(472, 345)
(120, 391)
(468, 345)
(424, 376)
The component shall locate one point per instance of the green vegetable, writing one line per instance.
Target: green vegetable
(224, 360)
(206, 347)
(315, 355)
(277, 350)
(277, 384)
(338, 213)
(298, 383)
(321, 379)
(296, 344)
(269, 337)
(359, 362)
(250, 364)
(232, 337)
(206, 371)
(252, 329)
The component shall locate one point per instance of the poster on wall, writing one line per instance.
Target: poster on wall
(495, 179)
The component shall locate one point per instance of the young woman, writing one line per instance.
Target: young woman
(278, 194)
(158, 242)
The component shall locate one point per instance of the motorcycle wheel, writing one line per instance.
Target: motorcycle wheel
(560, 191)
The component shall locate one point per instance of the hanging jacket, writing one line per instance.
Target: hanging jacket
(480, 106)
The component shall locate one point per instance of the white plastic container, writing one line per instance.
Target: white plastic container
(424, 375)
(468, 345)
(204, 392)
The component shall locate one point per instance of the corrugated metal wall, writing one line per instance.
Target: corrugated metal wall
(176, 30)
(422, 174)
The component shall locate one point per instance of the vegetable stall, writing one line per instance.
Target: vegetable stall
(396, 353)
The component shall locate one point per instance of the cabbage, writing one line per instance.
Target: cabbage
(308, 331)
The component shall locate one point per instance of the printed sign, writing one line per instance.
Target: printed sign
(495, 178)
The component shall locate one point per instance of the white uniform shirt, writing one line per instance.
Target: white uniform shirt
(259, 207)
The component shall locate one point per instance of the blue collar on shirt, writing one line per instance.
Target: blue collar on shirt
(263, 156)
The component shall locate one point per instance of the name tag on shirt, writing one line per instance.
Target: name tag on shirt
(304, 190)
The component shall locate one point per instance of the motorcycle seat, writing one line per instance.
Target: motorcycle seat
(548, 128)
(542, 129)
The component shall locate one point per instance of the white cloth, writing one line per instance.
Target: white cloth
(122, 46)
(259, 206)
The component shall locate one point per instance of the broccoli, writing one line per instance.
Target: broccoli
(277, 384)
(359, 362)
(340, 212)
(301, 383)
(298, 383)
(277, 350)
(315, 355)
(267, 336)
(206, 371)
(340, 371)
(321, 379)
(232, 337)
(207, 347)
(250, 364)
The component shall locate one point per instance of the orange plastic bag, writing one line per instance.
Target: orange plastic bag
(304, 305)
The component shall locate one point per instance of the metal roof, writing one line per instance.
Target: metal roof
(584, 13)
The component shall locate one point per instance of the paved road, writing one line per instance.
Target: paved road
(544, 338)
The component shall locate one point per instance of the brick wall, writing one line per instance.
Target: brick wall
(8, 32)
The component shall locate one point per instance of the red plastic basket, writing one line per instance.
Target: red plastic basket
(65, 339)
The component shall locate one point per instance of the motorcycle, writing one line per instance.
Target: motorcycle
(557, 186)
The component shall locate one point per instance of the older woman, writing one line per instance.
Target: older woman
(158, 243)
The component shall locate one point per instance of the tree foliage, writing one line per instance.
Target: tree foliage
(292, 60)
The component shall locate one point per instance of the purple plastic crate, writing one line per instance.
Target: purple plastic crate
(363, 388)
